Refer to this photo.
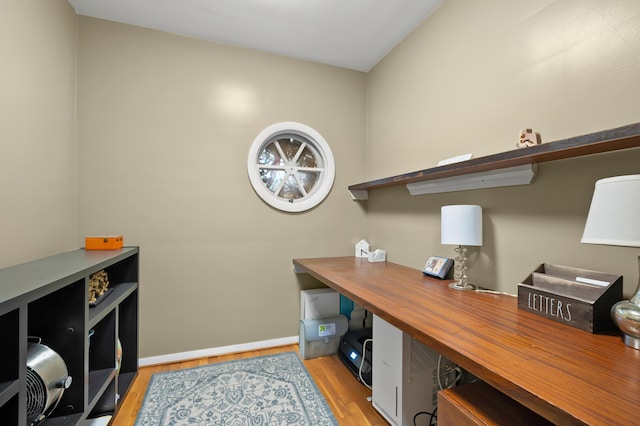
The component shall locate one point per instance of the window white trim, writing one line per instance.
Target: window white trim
(321, 151)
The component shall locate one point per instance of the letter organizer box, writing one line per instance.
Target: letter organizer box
(572, 296)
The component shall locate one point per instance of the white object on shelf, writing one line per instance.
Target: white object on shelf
(456, 159)
(528, 138)
(362, 248)
(378, 255)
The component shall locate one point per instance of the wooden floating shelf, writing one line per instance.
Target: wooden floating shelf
(624, 137)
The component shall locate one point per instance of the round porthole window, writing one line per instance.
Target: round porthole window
(291, 166)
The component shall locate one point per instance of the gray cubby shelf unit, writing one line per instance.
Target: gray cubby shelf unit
(49, 298)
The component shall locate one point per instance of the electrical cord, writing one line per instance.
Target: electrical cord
(438, 372)
(458, 377)
(493, 292)
(483, 290)
(432, 417)
(364, 355)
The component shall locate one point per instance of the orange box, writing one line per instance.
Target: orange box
(103, 243)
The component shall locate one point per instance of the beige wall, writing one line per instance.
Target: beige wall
(466, 81)
(165, 123)
(37, 106)
(164, 129)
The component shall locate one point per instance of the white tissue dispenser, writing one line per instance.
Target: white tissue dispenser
(321, 324)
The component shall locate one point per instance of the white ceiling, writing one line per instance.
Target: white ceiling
(354, 34)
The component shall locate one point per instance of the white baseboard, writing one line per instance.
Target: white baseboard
(223, 350)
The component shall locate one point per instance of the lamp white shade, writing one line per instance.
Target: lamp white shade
(614, 215)
(461, 225)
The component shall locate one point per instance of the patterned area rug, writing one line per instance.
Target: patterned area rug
(266, 390)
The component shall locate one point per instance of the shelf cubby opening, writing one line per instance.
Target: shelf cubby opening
(10, 356)
(106, 404)
(123, 271)
(9, 411)
(128, 335)
(58, 320)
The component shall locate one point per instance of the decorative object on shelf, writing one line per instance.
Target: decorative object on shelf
(47, 379)
(614, 219)
(377, 255)
(576, 297)
(437, 266)
(456, 159)
(98, 287)
(104, 243)
(528, 138)
(461, 225)
(362, 248)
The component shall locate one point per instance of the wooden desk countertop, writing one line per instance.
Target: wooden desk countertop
(565, 374)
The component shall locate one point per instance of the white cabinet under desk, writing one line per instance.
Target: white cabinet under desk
(405, 376)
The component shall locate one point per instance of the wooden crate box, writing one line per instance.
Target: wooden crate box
(573, 296)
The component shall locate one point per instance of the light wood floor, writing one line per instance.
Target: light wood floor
(346, 396)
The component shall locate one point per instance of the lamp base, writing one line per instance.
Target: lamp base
(460, 271)
(634, 342)
(461, 286)
(626, 315)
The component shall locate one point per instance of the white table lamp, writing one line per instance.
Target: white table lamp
(461, 225)
(614, 219)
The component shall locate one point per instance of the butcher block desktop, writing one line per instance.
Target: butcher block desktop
(564, 374)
